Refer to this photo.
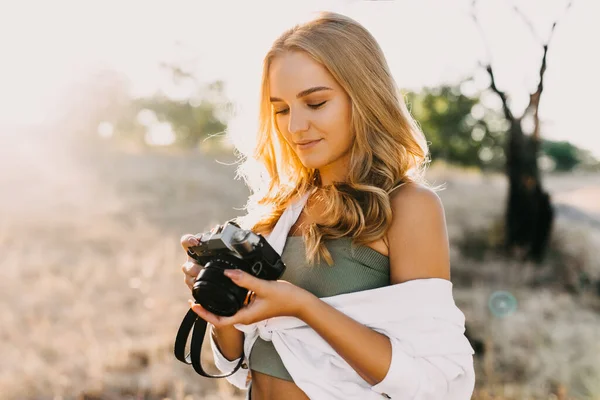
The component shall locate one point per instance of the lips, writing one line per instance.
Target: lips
(307, 142)
(306, 145)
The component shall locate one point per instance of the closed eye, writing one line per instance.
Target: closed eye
(313, 106)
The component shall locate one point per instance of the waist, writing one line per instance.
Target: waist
(265, 359)
(266, 387)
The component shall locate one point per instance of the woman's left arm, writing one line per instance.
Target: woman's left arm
(418, 248)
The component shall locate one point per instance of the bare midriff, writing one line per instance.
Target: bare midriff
(266, 387)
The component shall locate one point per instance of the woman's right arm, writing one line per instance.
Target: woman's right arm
(230, 341)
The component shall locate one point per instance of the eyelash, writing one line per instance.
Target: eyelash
(313, 106)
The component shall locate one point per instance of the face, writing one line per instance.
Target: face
(312, 112)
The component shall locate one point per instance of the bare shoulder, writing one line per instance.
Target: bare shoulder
(415, 198)
(417, 236)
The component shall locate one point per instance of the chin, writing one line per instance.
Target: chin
(313, 162)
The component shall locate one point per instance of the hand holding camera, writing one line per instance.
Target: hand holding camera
(233, 275)
(190, 268)
(226, 263)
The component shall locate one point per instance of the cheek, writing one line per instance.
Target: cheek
(336, 125)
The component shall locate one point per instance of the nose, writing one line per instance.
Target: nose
(298, 122)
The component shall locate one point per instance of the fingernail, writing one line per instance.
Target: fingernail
(233, 273)
(194, 242)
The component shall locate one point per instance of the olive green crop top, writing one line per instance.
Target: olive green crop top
(355, 268)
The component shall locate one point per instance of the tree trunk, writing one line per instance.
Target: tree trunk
(529, 213)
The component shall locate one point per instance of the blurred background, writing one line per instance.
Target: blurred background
(117, 126)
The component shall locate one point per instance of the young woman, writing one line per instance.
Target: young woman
(364, 238)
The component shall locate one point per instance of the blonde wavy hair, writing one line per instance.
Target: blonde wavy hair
(389, 148)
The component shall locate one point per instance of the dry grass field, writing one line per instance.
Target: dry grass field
(92, 292)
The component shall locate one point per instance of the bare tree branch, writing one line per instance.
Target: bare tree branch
(534, 98)
(488, 66)
(482, 35)
(527, 22)
(507, 113)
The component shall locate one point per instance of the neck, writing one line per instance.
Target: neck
(335, 172)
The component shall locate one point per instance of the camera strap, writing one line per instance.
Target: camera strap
(190, 322)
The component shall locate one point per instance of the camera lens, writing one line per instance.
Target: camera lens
(215, 292)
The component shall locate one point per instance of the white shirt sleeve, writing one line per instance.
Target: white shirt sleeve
(241, 378)
(447, 377)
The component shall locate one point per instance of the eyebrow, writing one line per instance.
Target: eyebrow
(305, 92)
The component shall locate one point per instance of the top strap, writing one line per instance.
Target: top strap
(278, 236)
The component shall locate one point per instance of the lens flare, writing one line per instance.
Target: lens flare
(502, 303)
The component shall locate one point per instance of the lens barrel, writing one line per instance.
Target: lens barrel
(216, 292)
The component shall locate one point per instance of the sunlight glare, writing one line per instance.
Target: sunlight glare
(160, 134)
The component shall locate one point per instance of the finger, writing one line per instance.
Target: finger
(189, 281)
(189, 240)
(194, 261)
(206, 315)
(245, 280)
(246, 315)
(191, 268)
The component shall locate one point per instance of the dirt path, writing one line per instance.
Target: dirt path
(586, 199)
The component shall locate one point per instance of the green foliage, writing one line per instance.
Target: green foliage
(191, 122)
(462, 131)
(564, 154)
(458, 127)
(105, 100)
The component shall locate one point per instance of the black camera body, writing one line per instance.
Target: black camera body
(231, 247)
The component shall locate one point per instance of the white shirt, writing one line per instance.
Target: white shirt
(431, 357)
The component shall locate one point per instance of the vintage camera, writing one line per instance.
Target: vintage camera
(230, 247)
